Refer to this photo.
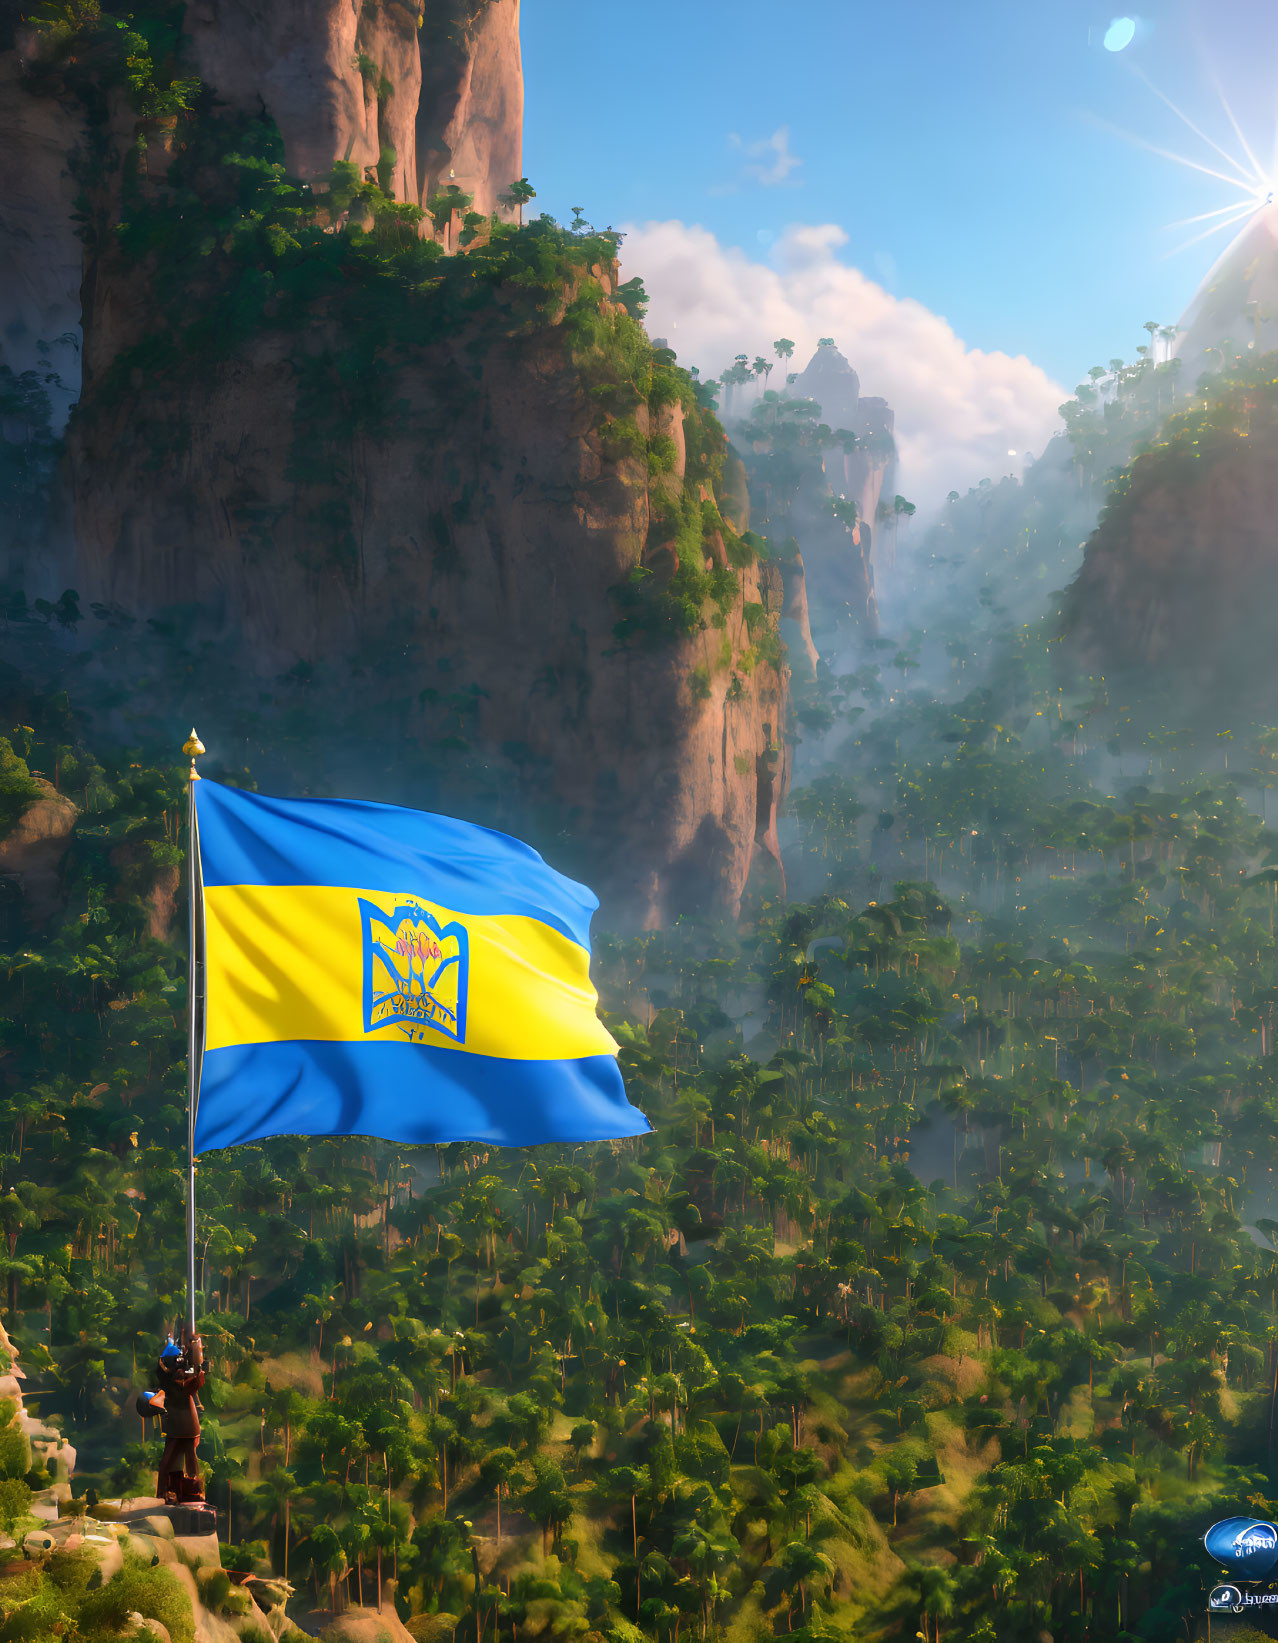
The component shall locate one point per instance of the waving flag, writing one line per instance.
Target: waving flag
(370, 970)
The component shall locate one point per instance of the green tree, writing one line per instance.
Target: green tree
(517, 196)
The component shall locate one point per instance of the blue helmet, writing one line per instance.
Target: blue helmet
(171, 1350)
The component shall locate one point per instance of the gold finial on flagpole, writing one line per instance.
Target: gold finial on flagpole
(192, 748)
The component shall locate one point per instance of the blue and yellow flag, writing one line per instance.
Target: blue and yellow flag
(376, 971)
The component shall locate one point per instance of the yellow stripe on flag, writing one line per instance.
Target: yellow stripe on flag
(287, 962)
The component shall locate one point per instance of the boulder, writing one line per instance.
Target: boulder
(33, 852)
(144, 1627)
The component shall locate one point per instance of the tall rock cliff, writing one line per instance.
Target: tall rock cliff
(453, 508)
(1180, 580)
(424, 91)
(40, 253)
(821, 456)
(863, 473)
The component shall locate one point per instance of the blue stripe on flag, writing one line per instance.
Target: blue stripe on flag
(413, 1093)
(249, 838)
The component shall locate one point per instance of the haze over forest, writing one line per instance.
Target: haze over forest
(925, 792)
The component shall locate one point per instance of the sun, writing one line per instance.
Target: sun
(1251, 183)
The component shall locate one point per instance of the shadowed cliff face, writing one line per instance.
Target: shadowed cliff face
(40, 254)
(1181, 577)
(431, 90)
(465, 558)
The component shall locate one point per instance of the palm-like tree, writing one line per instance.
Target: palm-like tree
(800, 1564)
(327, 1558)
(496, 1470)
(446, 206)
(548, 1499)
(935, 1588)
(517, 196)
(275, 1495)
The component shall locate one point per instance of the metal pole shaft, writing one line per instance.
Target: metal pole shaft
(190, 1065)
(195, 1019)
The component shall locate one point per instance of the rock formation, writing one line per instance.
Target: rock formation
(825, 493)
(431, 90)
(40, 253)
(796, 624)
(1180, 579)
(476, 570)
(864, 473)
(31, 854)
(471, 505)
(470, 121)
(420, 92)
(45, 1443)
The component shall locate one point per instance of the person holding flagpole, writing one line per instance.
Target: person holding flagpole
(180, 1375)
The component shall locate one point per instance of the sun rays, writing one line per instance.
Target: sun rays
(1246, 175)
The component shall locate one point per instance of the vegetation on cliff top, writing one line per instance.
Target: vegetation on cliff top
(1226, 409)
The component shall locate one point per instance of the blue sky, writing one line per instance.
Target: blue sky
(962, 145)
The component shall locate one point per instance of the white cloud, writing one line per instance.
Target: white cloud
(958, 410)
(768, 162)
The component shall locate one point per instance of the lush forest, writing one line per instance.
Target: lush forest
(941, 1303)
(943, 1300)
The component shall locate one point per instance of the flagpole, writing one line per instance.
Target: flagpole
(195, 1016)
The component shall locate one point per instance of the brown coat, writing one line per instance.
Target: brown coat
(181, 1413)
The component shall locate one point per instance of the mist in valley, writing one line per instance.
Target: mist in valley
(912, 715)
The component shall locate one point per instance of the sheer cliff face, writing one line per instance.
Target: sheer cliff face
(471, 117)
(1180, 579)
(838, 561)
(430, 89)
(467, 560)
(40, 253)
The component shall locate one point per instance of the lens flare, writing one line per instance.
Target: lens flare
(1120, 34)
